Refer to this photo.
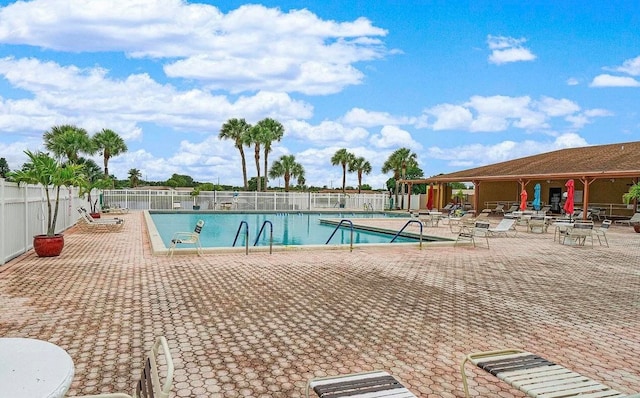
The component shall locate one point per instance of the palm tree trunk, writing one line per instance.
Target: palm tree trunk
(257, 157)
(344, 177)
(106, 166)
(244, 169)
(266, 155)
(359, 180)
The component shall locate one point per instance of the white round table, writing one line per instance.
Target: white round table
(31, 368)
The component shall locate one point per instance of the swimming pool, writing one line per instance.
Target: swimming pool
(289, 229)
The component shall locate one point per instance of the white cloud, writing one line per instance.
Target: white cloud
(237, 51)
(450, 117)
(580, 120)
(630, 67)
(364, 118)
(327, 132)
(557, 107)
(606, 80)
(394, 137)
(572, 81)
(499, 113)
(479, 155)
(508, 49)
(90, 98)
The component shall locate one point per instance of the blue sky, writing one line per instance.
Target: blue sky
(463, 84)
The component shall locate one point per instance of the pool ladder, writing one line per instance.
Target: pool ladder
(405, 226)
(343, 221)
(255, 243)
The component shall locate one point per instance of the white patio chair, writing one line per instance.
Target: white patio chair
(189, 238)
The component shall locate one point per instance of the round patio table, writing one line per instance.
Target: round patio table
(31, 368)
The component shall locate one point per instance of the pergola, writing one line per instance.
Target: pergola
(586, 164)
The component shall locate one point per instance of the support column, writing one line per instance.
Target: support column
(476, 196)
(586, 182)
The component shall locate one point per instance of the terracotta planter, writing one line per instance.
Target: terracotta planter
(95, 215)
(48, 246)
(636, 227)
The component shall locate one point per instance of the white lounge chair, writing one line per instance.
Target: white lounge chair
(375, 384)
(190, 238)
(505, 227)
(498, 209)
(633, 220)
(86, 223)
(536, 376)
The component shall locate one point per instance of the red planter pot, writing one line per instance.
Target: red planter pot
(95, 215)
(48, 246)
(636, 227)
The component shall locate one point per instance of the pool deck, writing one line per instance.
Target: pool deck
(261, 325)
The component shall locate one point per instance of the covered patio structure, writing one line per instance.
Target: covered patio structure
(602, 174)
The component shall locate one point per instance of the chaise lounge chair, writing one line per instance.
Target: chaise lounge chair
(504, 228)
(633, 220)
(536, 376)
(86, 223)
(376, 384)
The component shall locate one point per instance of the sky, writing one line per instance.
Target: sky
(462, 84)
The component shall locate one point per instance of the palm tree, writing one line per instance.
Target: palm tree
(68, 141)
(399, 160)
(238, 130)
(360, 165)
(343, 157)
(111, 144)
(270, 130)
(287, 167)
(134, 177)
(255, 138)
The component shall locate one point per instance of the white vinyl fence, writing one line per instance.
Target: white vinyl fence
(23, 214)
(257, 201)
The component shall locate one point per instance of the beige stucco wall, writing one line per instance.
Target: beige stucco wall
(601, 192)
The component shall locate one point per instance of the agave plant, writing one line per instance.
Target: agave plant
(52, 175)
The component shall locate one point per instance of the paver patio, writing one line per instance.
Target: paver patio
(261, 325)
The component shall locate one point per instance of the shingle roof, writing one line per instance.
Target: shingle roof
(613, 160)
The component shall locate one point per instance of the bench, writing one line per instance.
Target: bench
(536, 376)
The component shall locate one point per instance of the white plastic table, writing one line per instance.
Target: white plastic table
(31, 368)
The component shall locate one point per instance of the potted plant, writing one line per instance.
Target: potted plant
(195, 193)
(52, 175)
(633, 195)
(89, 185)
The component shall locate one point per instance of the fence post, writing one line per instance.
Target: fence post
(3, 217)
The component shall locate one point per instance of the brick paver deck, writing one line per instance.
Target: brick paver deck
(261, 325)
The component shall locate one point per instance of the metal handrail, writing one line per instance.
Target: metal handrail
(246, 237)
(405, 226)
(336, 230)
(270, 237)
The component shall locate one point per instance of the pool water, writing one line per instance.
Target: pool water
(288, 228)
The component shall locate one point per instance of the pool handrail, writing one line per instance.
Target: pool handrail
(264, 224)
(246, 238)
(344, 220)
(405, 226)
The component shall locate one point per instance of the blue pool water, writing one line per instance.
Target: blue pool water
(288, 228)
